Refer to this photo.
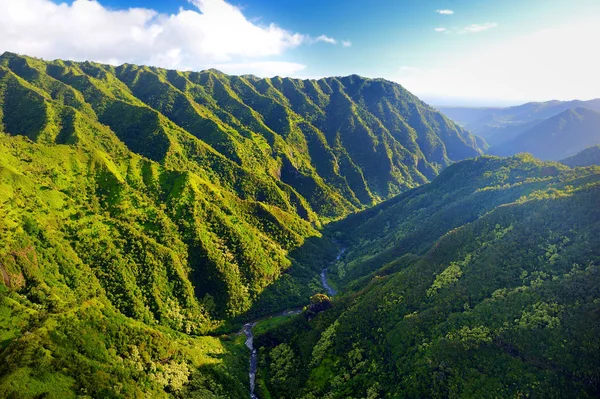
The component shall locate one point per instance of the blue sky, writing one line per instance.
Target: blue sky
(477, 52)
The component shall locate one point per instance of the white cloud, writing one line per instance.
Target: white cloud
(474, 28)
(445, 12)
(215, 33)
(346, 43)
(262, 68)
(548, 64)
(325, 39)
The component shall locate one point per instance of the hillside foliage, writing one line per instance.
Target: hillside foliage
(146, 213)
(487, 288)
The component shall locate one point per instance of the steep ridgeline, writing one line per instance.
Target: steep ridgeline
(328, 146)
(556, 138)
(588, 157)
(483, 283)
(139, 204)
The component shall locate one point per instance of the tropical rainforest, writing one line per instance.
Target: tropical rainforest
(483, 283)
(146, 214)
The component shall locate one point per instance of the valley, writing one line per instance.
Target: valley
(450, 286)
(178, 234)
(248, 326)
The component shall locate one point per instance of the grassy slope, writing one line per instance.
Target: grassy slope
(84, 246)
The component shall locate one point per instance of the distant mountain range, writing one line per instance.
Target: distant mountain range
(556, 138)
(498, 125)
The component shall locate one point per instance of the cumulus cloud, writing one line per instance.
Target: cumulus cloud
(441, 29)
(346, 43)
(547, 64)
(474, 28)
(445, 12)
(215, 32)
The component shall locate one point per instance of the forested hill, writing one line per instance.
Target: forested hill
(589, 156)
(483, 283)
(140, 207)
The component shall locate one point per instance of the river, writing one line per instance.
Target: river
(247, 329)
(328, 288)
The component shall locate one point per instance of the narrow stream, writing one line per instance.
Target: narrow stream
(253, 356)
(247, 329)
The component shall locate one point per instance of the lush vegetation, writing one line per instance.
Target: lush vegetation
(145, 213)
(142, 208)
(484, 283)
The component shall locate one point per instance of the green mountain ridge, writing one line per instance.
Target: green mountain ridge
(146, 213)
(286, 148)
(283, 129)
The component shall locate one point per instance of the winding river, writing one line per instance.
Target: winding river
(247, 329)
